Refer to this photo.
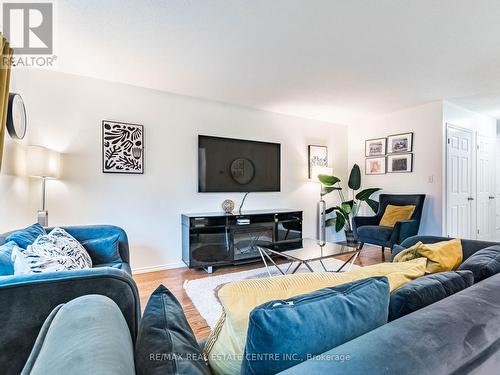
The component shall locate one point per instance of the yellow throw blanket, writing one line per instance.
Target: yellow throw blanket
(441, 256)
(226, 344)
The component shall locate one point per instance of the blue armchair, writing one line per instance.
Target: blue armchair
(367, 229)
(26, 300)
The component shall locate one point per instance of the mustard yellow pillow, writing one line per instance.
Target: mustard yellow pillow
(441, 256)
(393, 214)
(225, 345)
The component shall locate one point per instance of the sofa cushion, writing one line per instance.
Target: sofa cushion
(103, 250)
(226, 343)
(393, 214)
(426, 290)
(484, 263)
(6, 265)
(25, 237)
(297, 329)
(165, 330)
(87, 335)
(375, 231)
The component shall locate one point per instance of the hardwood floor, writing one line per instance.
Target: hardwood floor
(174, 280)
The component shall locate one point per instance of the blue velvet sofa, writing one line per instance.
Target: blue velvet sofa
(25, 301)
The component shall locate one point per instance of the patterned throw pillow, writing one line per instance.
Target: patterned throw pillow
(57, 251)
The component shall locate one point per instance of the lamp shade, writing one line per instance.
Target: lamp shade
(43, 162)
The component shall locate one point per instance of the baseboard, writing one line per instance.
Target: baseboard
(163, 267)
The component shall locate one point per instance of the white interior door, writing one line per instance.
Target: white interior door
(497, 166)
(486, 207)
(459, 188)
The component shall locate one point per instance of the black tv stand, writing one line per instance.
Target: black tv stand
(218, 239)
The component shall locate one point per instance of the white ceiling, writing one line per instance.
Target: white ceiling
(332, 60)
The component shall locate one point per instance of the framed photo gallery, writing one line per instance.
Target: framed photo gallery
(392, 154)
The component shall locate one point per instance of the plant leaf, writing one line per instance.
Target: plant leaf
(346, 207)
(355, 178)
(331, 209)
(330, 222)
(328, 180)
(373, 204)
(339, 223)
(363, 195)
(328, 189)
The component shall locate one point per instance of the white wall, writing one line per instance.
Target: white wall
(65, 113)
(428, 123)
(478, 123)
(14, 189)
(425, 122)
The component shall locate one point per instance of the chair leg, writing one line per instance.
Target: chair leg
(360, 246)
(383, 249)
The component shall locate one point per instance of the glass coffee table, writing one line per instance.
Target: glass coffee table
(309, 250)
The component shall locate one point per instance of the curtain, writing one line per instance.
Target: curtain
(5, 54)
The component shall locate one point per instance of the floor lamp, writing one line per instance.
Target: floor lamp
(43, 163)
(316, 171)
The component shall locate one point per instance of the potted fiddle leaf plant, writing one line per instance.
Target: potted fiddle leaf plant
(340, 216)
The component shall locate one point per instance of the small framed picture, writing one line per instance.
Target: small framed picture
(375, 165)
(318, 157)
(400, 143)
(401, 163)
(375, 147)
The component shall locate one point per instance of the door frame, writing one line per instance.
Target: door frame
(473, 229)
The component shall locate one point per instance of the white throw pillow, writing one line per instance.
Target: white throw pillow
(69, 246)
(20, 262)
(57, 251)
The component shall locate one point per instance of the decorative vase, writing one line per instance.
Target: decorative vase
(349, 237)
(228, 206)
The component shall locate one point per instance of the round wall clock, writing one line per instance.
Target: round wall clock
(16, 117)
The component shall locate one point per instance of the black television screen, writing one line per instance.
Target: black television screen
(236, 165)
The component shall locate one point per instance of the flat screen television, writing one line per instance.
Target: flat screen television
(236, 165)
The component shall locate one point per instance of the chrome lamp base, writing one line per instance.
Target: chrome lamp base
(43, 218)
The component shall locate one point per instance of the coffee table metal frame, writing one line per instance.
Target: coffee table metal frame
(264, 253)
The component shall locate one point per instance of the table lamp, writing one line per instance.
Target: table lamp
(43, 163)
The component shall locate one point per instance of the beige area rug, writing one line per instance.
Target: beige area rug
(202, 291)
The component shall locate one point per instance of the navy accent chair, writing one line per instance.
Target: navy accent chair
(26, 300)
(367, 229)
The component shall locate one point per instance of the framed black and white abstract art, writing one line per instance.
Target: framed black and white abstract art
(122, 147)
(375, 147)
(400, 163)
(400, 143)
